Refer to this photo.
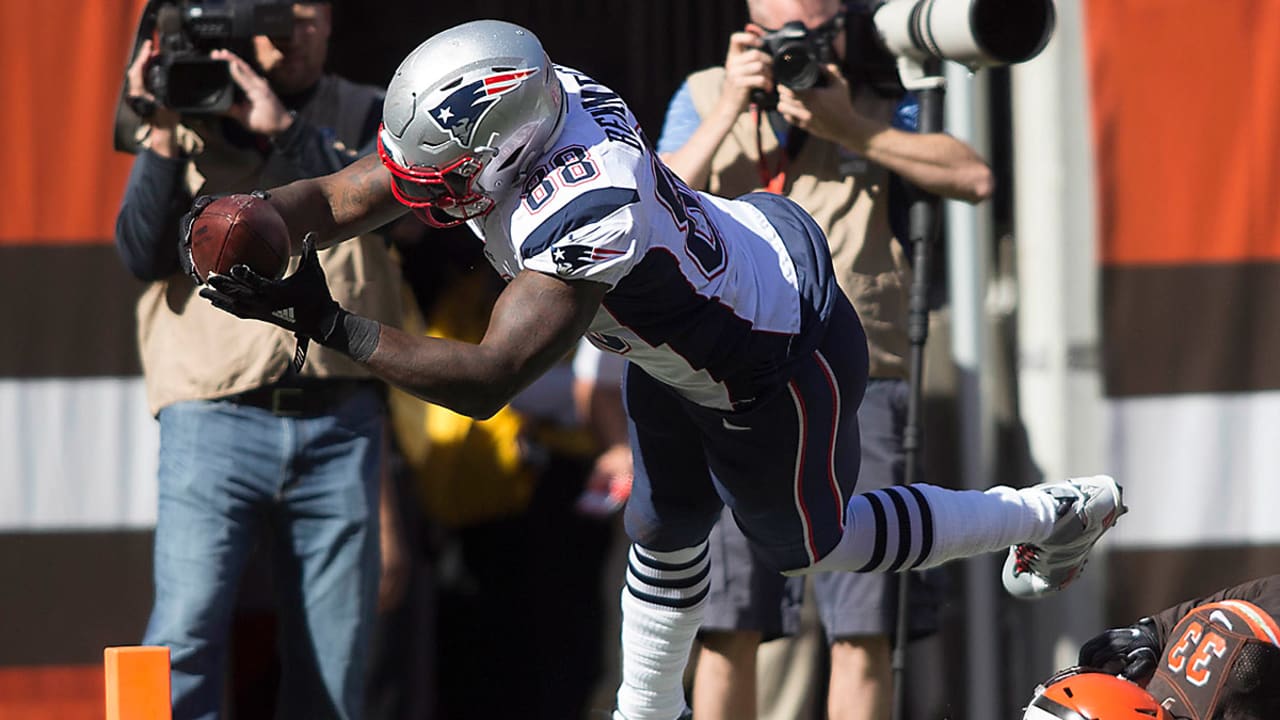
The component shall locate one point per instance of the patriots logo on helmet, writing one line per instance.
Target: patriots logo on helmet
(463, 109)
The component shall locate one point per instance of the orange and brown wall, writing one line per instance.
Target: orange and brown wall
(1186, 115)
(68, 587)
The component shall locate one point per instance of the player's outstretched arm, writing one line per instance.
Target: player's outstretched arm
(536, 322)
(341, 205)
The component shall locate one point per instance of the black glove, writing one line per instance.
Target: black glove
(1131, 651)
(184, 229)
(300, 303)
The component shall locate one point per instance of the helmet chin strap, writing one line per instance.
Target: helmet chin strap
(461, 212)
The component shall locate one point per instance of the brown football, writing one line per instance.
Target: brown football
(239, 229)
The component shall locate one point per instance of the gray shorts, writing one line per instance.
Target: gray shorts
(745, 594)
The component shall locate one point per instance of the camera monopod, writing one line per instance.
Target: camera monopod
(922, 231)
(921, 34)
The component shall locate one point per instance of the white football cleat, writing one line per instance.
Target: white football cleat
(1087, 507)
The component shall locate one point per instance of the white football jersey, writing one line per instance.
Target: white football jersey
(704, 295)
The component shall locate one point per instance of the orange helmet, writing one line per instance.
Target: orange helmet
(1082, 694)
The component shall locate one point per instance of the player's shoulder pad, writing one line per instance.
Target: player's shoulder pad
(573, 188)
(586, 213)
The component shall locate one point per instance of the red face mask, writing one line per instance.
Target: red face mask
(442, 197)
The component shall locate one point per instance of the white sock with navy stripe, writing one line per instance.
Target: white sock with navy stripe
(920, 526)
(662, 607)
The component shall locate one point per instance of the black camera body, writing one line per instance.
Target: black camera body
(183, 76)
(799, 55)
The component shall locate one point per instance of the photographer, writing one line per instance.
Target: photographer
(834, 147)
(250, 452)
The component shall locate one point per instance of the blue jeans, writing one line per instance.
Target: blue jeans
(231, 475)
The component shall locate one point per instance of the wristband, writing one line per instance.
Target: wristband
(355, 336)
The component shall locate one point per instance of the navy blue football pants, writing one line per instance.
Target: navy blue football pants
(786, 467)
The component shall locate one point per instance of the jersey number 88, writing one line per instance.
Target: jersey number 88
(568, 167)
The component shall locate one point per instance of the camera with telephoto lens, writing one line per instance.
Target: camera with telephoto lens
(974, 33)
(183, 77)
(889, 41)
(799, 55)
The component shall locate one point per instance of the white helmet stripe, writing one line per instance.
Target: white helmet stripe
(1261, 620)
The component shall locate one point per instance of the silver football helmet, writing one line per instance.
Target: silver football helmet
(464, 116)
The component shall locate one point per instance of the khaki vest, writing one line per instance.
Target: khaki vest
(191, 350)
(847, 196)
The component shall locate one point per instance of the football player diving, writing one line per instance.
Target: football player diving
(747, 363)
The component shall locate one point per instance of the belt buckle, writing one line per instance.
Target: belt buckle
(281, 404)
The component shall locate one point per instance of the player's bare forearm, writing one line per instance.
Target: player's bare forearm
(536, 322)
(341, 205)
